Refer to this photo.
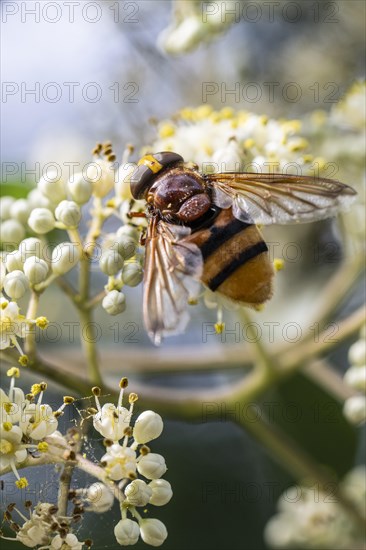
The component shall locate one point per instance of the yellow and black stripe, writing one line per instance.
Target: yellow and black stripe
(236, 261)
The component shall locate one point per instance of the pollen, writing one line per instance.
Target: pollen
(8, 407)
(219, 328)
(42, 447)
(22, 483)
(14, 371)
(42, 322)
(23, 360)
(7, 426)
(166, 130)
(249, 143)
(5, 447)
(278, 264)
(298, 145)
(227, 112)
(291, 126)
(35, 389)
(133, 397)
(203, 111)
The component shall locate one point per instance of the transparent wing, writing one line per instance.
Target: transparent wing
(168, 261)
(279, 198)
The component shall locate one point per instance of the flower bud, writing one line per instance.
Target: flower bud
(148, 426)
(153, 531)
(37, 200)
(31, 247)
(114, 302)
(35, 269)
(52, 187)
(41, 220)
(355, 377)
(161, 492)
(16, 284)
(101, 174)
(130, 231)
(125, 245)
(13, 261)
(184, 37)
(357, 353)
(99, 498)
(80, 188)
(68, 213)
(5, 206)
(20, 210)
(127, 532)
(64, 257)
(354, 409)
(138, 492)
(228, 158)
(111, 262)
(132, 274)
(122, 185)
(11, 232)
(152, 466)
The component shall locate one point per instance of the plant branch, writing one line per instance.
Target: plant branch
(287, 453)
(30, 338)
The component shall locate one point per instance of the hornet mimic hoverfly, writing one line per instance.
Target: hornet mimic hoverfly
(204, 227)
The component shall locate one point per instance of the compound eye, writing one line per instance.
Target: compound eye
(167, 157)
(147, 167)
(140, 181)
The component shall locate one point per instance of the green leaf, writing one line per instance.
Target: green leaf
(18, 190)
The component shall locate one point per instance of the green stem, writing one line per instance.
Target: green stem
(30, 338)
(87, 327)
(287, 453)
(64, 488)
(88, 339)
(264, 360)
(188, 405)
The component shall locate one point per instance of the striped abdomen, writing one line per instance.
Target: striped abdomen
(236, 261)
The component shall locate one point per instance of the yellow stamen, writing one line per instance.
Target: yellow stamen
(219, 327)
(278, 264)
(22, 483)
(7, 426)
(166, 130)
(5, 447)
(42, 447)
(42, 322)
(35, 389)
(14, 371)
(23, 360)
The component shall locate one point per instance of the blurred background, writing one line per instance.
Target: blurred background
(77, 73)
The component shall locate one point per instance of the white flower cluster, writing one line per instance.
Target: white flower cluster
(350, 112)
(43, 529)
(27, 426)
(127, 456)
(33, 263)
(355, 407)
(192, 24)
(309, 518)
(235, 140)
(122, 262)
(340, 136)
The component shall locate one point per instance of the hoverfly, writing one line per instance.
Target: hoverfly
(204, 227)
